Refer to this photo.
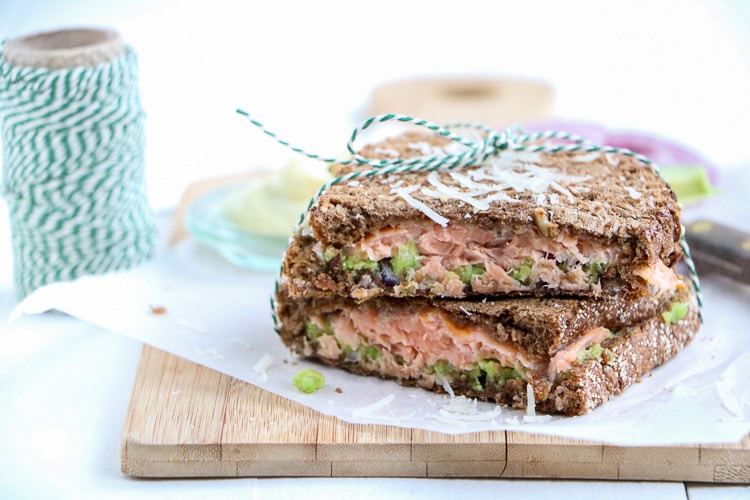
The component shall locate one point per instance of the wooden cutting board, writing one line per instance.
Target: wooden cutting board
(185, 420)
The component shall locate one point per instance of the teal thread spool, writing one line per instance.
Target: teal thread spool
(73, 156)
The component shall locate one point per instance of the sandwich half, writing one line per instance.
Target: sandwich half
(520, 223)
(574, 354)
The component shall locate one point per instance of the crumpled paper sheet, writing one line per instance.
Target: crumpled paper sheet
(219, 316)
(191, 303)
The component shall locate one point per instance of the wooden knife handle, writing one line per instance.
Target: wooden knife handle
(720, 248)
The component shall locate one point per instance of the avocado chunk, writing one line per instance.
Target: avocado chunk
(465, 272)
(309, 381)
(593, 352)
(405, 259)
(358, 262)
(497, 373)
(369, 352)
(313, 331)
(675, 313)
(522, 272)
(594, 269)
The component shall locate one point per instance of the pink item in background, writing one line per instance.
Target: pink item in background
(661, 151)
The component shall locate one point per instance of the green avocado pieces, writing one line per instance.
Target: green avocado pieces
(484, 372)
(406, 258)
(498, 373)
(309, 381)
(313, 331)
(368, 352)
(356, 262)
(522, 272)
(466, 272)
(675, 313)
(593, 352)
(594, 269)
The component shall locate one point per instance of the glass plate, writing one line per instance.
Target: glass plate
(207, 222)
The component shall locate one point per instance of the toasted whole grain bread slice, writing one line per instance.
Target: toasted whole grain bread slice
(529, 223)
(575, 353)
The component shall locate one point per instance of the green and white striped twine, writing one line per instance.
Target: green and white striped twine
(73, 170)
(492, 144)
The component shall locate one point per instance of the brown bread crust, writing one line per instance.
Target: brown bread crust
(622, 204)
(310, 276)
(618, 203)
(538, 325)
(631, 352)
(648, 226)
(644, 347)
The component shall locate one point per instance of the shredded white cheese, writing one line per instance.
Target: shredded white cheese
(530, 401)
(445, 384)
(730, 402)
(461, 404)
(496, 178)
(211, 352)
(394, 181)
(387, 152)
(612, 159)
(528, 419)
(586, 157)
(557, 187)
(536, 419)
(241, 343)
(446, 420)
(632, 192)
(391, 418)
(512, 158)
(452, 192)
(426, 149)
(366, 411)
(477, 416)
(405, 194)
(261, 366)
(461, 409)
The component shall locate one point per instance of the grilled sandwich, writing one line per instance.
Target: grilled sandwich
(576, 224)
(528, 277)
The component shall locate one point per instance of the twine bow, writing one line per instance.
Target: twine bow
(492, 143)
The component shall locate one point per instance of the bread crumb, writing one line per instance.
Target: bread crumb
(158, 310)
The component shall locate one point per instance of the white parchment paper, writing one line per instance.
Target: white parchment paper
(219, 316)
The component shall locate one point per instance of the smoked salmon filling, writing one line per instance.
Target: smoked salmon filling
(451, 261)
(433, 349)
(454, 261)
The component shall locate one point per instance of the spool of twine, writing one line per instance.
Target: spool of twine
(73, 156)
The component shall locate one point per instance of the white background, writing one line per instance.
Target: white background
(679, 68)
(676, 68)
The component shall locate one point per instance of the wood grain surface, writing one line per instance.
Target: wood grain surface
(185, 420)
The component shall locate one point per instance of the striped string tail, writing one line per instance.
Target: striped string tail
(73, 170)
(491, 143)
